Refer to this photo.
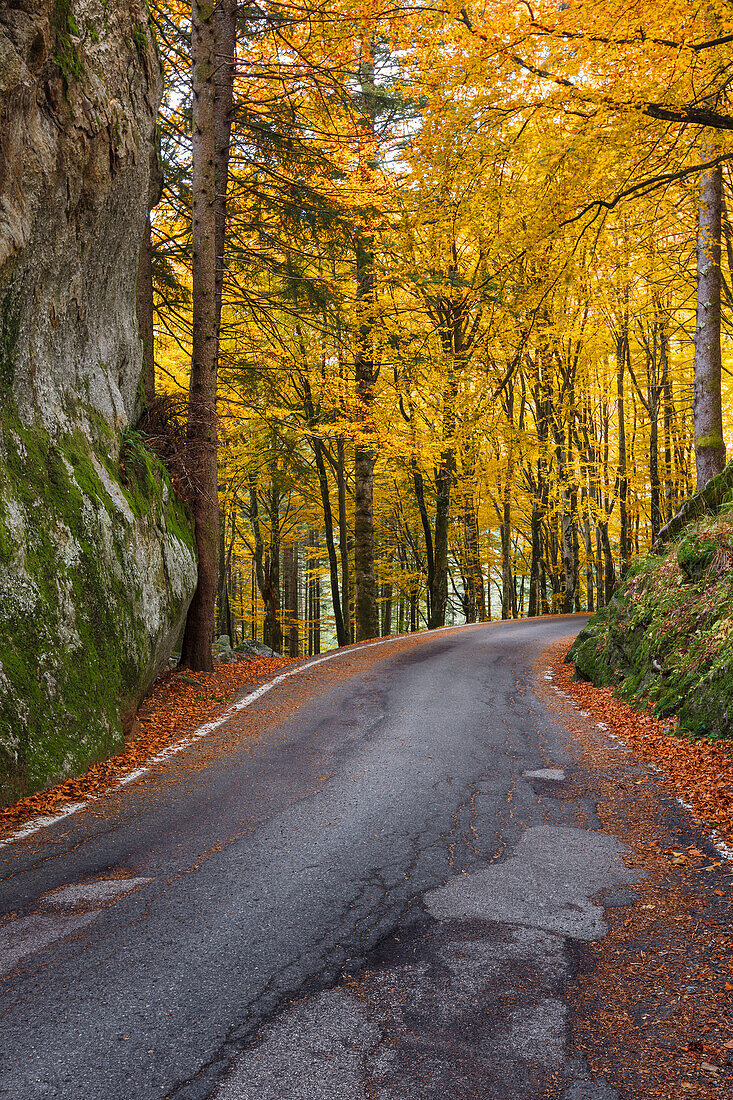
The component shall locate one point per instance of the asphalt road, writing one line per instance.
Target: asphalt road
(151, 936)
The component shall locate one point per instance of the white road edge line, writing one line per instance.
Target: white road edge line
(38, 823)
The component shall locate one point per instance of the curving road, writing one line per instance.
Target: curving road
(150, 936)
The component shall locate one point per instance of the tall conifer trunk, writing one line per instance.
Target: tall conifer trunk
(145, 313)
(213, 42)
(201, 439)
(709, 442)
(145, 304)
(367, 621)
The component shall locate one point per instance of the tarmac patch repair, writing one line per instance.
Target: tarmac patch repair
(546, 884)
(475, 996)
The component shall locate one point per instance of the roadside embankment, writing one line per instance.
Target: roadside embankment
(665, 641)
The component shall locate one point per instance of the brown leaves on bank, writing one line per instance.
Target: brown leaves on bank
(699, 773)
(178, 703)
(652, 999)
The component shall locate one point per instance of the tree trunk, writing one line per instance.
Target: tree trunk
(224, 616)
(387, 591)
(708, 412)
(609, 578)
(287, 611)
(419, 486)
(313, 594)
(506, 556)
(316, 610)
(622, 351)
(272, 631)
(225, 18)
(568, 529)
(343, 540)
(534, 563)
(475, 598)
(341, 634)
(253, 602)
(201, 436)
(366, 618)
(600, 589)
(291, 609)
(267, 570)
(654, 487)
(145, 305)
(669, 479)
(294, 639)
(589, 589)
(569, 577)
(145, 314)
(445, 475)
(439, 594)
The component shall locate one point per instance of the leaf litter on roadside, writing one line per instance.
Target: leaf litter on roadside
(178, 703)
(652, 1001)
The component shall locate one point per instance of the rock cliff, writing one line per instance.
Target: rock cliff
(97, 564)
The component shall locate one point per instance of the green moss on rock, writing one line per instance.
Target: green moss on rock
(666, 638)
(98, 569)
(9, 332)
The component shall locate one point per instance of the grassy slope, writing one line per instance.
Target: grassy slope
(674, 613)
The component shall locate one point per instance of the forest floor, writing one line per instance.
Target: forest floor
(654, 1001)
(179, 702)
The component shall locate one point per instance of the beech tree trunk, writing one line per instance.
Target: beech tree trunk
(343, 541)
(314, 594)
(319, 453)
(589, 587)
(291, 602)
(445, 475)
(535, 560)
(419, 486)
(505, 532)
(439, 593)
(654, 486)
(267, 567)
(224, 623)
(622, 351)
(609, 572)
(342, 637)
(386, 624)
(708, 412)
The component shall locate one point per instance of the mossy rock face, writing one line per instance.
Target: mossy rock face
(695, 555)
(96, 559)
(666, 638)
(97, 568)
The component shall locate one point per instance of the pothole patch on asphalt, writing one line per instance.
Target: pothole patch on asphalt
(315, 1049)
(471, 996)
(547, 883)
